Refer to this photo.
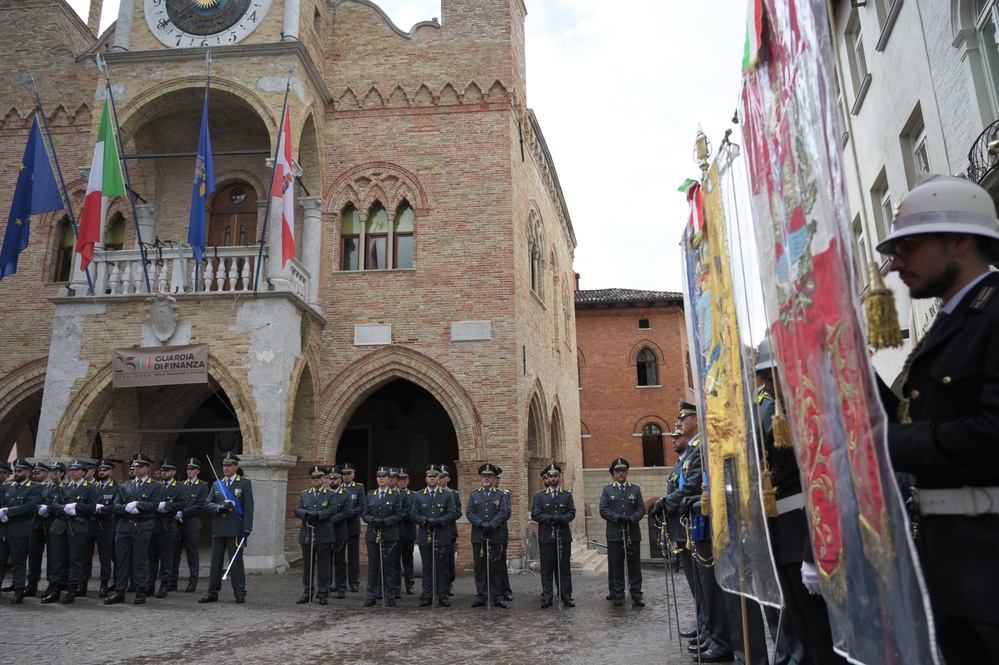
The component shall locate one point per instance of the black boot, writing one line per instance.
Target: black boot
(162, 593)
(103, 593)
(69, 597)
(52, 594)
(18, 597)
(114, 598)
(192, 585)
(81, 591)
(140, 597)
(31, 590)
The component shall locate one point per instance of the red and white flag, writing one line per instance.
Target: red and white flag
(105, 181)
(283, 186)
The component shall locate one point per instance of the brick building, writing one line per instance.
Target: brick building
(633, 367)
(426, 314)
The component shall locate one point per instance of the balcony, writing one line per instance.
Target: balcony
(172, 271)
(983, 158)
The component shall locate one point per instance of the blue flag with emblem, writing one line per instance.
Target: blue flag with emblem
(204, 185)
(36, 192)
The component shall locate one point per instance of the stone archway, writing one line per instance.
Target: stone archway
(362, 378)
(20, 405)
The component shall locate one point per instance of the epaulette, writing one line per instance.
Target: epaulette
(982, 298)
(237, 478)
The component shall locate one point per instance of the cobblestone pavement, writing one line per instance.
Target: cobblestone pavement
(271, 628)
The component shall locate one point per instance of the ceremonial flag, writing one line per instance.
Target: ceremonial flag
(204, 185)
(105, 181)
(36, 192)
(743, 560)
(754, 30)
(695, 222)
(283, 186)
(868, 569)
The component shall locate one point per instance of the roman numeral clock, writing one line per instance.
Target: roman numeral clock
(187, 23)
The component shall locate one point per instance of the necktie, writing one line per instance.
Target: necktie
(228, 483)
(381, 495)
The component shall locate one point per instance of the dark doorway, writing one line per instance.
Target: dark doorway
(653, 453)
(400, 424)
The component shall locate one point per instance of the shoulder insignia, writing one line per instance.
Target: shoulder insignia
(982, 298)
(238, 478)
(27, 484)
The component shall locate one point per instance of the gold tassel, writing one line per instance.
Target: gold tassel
(903, 412)
(705, 508)
(883, 330)
(769, 495)
(781, 428)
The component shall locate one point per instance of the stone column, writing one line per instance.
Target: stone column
(147, 224)
(123, 29)
(312, 227)
(269, 475)
(292, 12)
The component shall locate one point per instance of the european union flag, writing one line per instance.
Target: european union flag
(204, 185)
(36, 192)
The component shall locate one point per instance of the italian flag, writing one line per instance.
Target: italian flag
(105, 180)
(695, 223)
(754, 32)
(283, 186)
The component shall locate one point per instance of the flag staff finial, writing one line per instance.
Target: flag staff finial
(702, 152)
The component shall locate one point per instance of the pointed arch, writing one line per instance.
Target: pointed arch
(363, 377)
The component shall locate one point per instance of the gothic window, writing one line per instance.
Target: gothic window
(114, 237)
(535, 247)
(64, 252)
(653, 453)
(648, 368)
(386, 244)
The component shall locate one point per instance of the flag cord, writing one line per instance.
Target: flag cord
(102, 65)
(277, 155)
(62, 181)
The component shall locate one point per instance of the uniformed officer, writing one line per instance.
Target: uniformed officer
(102, 523)
(445, 478)
(504, 571)
(622, 506)
(55, 571)
(407, 533)
(488, 511)
(139, 501)
(383, 515)
(19, 501)
(231, 501)
(434, 510)
(943, 239)
(5, 472)
(195, 493)
(39, 528)
(343, 501)
(316, 536)
(165, 532)
(553, 510)
(69, 560)
(354, 512)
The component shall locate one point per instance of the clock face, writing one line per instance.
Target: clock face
(187, 23)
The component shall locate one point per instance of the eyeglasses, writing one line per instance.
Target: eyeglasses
(906, 246)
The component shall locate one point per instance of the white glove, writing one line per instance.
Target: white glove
(132, 508)
(162, 508)
(179, 516)
(70, 509)
(43, 510)
(3, 515)
(810, 578)
(99, 508)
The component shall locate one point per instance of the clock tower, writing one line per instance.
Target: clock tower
(204, 23)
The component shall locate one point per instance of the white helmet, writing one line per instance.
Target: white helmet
(943, 204)
(765, 357)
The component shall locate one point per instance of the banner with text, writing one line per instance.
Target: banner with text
(162, 366)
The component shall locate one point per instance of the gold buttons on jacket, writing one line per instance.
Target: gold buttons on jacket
(914, 394)
(946, 380)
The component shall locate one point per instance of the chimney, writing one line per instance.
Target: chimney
(577, 281)
(94, 17)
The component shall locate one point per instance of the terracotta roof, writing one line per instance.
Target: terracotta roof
(626, 296)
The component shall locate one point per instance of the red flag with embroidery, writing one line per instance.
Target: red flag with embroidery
(283, 186)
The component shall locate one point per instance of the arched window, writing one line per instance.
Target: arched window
(114, 237)
(64, 252)
(653, 452)
(385, 244)
(987, 27)
(648, 368)
(535, 247)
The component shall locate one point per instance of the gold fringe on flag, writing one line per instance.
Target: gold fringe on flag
(883, 330)
(769, 494)
(782, 428)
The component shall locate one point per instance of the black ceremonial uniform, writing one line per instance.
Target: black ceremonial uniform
(39, 536)
(342, 501)
(952, 449)
(553, 510)
(195, 494)
(383, 515)
(623, 509)
(317, 534)
(163, 547)
(407, 539)
(69, 560)
(20, 502)
(101, 529)
(133, 534)
(228, 528)
(435, 511)
(489, 511)
(354, 512)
